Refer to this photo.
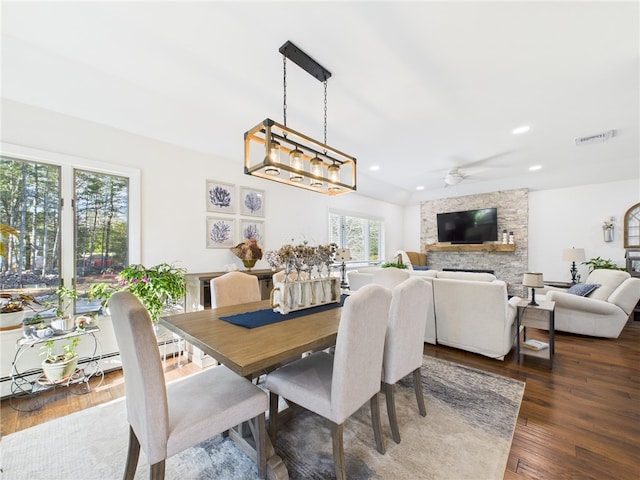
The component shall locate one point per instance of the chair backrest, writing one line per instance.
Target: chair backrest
(145, 390)
(359, 348)
(234, 288)
(389, 277)
(404, 343)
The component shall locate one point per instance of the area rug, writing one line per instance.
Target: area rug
(467, 433)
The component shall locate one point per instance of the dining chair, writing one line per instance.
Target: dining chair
(404, 344)
(165, 419)
(234, 288)
(336, 386)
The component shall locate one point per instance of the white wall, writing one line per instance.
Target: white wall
(174, 211)
(173, 189)
(573, 217)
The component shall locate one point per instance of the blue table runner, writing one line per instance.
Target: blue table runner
(259, 318)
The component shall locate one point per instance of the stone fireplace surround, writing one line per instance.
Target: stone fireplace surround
(513, 214)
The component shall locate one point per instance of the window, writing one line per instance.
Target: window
(73, 236)
(361, 235)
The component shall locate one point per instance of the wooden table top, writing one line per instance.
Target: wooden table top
(249, 351)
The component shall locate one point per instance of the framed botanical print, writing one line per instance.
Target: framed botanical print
(251, 202)
(221, 232)
(221, 197)
(252, 229)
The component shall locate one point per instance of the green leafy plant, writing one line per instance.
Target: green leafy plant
(68, 350)
(158, 288)
(395, 265)
(598, 263)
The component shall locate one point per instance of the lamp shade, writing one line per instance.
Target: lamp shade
(533, 280)
(343, 255)
(573, 255)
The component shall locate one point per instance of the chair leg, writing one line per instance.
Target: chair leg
(261, 445)
(132, 456)
(273, 416)
(157, 471)
(375, 420)
(417, 385)
(389, 392)
(338, 451)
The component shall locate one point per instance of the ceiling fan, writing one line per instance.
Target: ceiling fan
(453, 177)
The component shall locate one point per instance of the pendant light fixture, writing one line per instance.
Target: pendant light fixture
(308, 163)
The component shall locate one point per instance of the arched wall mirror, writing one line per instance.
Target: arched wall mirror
(632, 227)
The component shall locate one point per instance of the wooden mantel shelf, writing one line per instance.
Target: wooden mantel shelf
(475, 247)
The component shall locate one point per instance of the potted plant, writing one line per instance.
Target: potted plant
(13, 308)
(159, 289)
(60, 364)
(598, 263)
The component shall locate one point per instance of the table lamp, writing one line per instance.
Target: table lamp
(573, 255)
(533, 281)
(342, 255)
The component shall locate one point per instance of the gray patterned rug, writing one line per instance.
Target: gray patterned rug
(471, 416)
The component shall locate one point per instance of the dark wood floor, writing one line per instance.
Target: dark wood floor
(579, 421)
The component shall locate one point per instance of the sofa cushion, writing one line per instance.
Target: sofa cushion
(609, 280)
(583, 289)
(474, 276)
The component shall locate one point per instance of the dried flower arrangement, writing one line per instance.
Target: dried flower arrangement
(303, 258)
(247, 250)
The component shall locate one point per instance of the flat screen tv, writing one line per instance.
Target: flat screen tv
(469, 226)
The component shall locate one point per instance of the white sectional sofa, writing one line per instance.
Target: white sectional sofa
(468, 310)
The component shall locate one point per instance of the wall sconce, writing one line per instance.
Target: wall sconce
(607, 230)
(310, 164)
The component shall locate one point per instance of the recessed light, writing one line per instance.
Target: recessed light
(533, 168)
(520, 130)
(374, 168)
(420, 187)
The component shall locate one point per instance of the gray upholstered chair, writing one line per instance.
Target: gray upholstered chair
(404, 344)
(337, 386)
(234, 288)
(167, 418)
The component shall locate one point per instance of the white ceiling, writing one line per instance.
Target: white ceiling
(417, 88)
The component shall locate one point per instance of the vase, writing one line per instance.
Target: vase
(249, 264)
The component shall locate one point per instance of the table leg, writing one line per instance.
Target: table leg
(276, 469)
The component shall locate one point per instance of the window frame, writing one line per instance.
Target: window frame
(68, 164)
(361, 216)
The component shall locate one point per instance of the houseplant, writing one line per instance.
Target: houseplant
(59, 364)
(13, 308)
(598, 263)
(159, 288)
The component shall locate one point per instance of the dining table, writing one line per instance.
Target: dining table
(251, 352)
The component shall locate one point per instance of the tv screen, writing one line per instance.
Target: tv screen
(470, 226)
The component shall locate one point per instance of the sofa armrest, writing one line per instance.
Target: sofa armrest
(584, 304)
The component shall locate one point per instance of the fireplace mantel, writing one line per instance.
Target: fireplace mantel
(475, 247)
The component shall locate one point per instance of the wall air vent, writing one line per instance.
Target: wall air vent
(599, 138)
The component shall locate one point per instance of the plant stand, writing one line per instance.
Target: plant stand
(26, 386)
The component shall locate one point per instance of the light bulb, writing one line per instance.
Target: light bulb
(296, 161)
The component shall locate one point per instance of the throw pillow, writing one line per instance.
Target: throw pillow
(583, 289)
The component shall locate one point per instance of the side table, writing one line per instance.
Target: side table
(541, 316)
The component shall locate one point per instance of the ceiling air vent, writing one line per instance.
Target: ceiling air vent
(599, 138)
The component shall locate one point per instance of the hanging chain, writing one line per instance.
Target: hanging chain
(325, 114)
(284, 83)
